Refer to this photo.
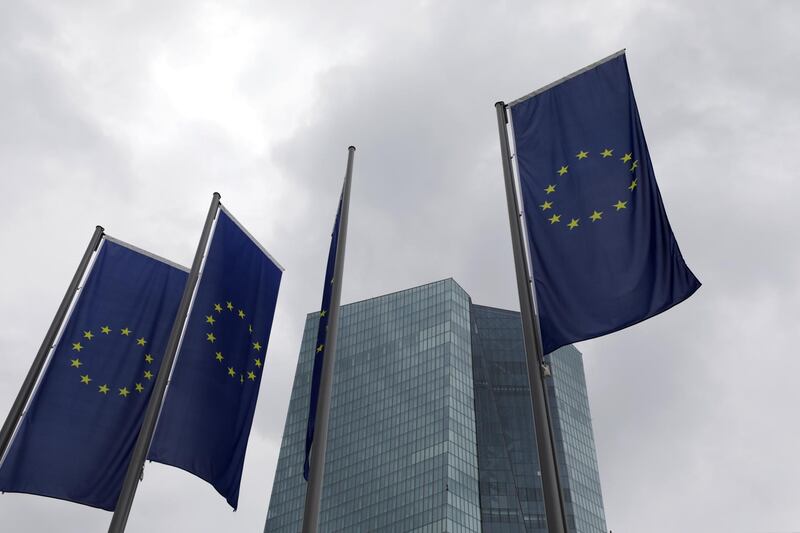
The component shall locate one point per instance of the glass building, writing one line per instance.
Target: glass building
(431, 428)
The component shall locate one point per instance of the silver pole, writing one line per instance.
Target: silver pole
(136, 465)
(320, 444)
(548, 463)
(17, 408)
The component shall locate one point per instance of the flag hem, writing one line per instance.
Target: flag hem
(638, 320)
(250, 236)
(565, 78)
(197, 475)
(63, 499)
(151, 255)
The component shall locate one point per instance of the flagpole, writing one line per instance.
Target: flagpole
(17, 409)
(318, 448)
(139, 455)
(545, 442)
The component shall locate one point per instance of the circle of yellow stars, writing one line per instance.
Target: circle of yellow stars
(103, 388)
(220, 310)
(549, 206)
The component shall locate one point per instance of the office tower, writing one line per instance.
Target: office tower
(430, 426)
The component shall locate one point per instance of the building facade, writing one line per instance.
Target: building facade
(430, 425)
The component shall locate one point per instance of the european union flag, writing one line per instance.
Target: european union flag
(603, 253)
(76, 438)
(322, 330)
(209, 405)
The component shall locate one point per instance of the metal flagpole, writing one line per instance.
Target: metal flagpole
(545, 442)
(136, 465)
(320, 444)
(15, 414)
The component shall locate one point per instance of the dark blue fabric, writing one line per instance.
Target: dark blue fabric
(322, 330)
(75, 441)
(582, 141)
(209, 405)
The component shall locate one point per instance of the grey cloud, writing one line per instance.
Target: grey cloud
(693, 410)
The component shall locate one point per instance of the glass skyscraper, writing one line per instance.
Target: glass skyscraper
(431, 428)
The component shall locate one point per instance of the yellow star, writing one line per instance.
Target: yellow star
(607, 153)
(148, 358)
(620, 205)
(125, 331)
(219, 357)
(582, 155)
(231, 372)
(124, 392)
(573, 223)
(103, 388)
(88, 335)
(105, 329)
(210, 337)
(241, 314)
(241, 378)
(229, 305)
(563, 170)
(141, 341)
(320, 347)
(148, 374)
(139, 387)
(251, 376)
(323, 313)
(256, 346)
(546, 205)
(633, 184)
(634, 165)
(217, 308)
(550, 188)
(555, 218)
(258, 363)
(77, 346)
(210, 319)
(76, 363)
(250, 328)
(625, 158)
(86, 379)
(597, 215)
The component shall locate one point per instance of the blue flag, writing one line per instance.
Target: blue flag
(322, 330)
(602, 251)
(209, 405)
(78, 434)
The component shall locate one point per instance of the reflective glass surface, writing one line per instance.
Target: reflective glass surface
(401, 451)
(510, 486)
(430, 426)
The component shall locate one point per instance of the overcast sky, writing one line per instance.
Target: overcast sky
(130, 114)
